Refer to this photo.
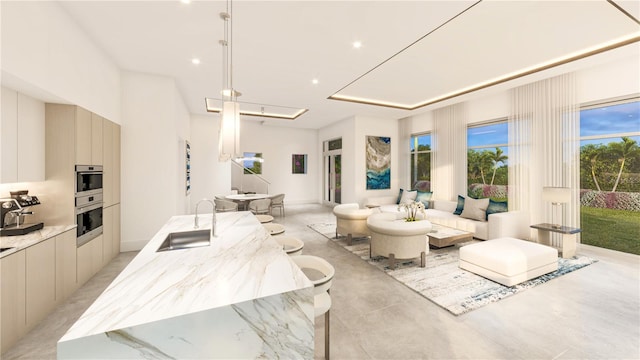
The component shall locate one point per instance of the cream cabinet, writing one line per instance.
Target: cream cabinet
(66, 265)
(41, 281)
(96, 139)
(22, 139)
(111, 232)
(83, 135)
(89, 259)
(12, 299)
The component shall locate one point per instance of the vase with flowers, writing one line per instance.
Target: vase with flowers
(412, 209)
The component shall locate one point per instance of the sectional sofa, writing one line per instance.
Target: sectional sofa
(496, 225)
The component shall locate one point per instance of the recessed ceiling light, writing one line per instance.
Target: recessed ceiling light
(195, 61)
(185, 1)
(357, 44)
(314, 81)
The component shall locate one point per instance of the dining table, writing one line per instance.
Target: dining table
(244, 199)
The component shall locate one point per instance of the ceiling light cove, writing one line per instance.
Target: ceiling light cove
(432, 71)
(259, 110)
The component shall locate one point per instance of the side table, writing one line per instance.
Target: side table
(569, 237)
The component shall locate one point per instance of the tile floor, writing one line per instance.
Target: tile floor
(592, 313)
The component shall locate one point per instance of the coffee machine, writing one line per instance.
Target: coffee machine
(13, 211)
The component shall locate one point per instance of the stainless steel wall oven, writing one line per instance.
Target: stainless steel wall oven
(88, 199)
(88, 180)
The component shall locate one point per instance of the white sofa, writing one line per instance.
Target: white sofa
(506, 224)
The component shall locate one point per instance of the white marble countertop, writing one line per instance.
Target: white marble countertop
(242, 263)
(22, 242)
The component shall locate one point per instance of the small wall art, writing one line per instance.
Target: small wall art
(378, 153)
(188, 166)
(299, 163)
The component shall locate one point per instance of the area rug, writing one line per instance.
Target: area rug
(442, 281)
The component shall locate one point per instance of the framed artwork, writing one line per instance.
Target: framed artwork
(378, 152)
(299, 163)
(188, 166)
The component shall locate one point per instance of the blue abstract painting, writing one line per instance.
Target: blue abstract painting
(378, 162)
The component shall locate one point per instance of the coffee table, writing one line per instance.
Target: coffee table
(443, 236)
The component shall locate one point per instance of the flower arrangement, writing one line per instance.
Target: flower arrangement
(412, 209)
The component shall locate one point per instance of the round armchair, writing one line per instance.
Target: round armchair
(395, 238)
(351, 221)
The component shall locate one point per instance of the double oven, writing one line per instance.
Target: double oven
(88, 201)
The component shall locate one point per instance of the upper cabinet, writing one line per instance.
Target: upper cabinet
(88, 137)
(22, 144)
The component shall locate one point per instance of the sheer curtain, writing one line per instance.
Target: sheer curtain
(449, 155)
(544, 131)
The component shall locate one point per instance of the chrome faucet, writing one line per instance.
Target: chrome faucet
(213, 219)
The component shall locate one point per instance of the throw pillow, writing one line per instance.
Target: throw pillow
(424, 197)
(475, 209)
(496, 207)
(408, 196)
(460, 205)
(399, 196)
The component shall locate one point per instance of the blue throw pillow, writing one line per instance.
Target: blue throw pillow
(399, 196)
(460, 205)
(497, 207)
(424, 197)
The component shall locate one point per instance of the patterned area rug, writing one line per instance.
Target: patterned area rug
(442, 281)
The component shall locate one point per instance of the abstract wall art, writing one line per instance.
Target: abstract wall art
(378, 162)
(299, 163)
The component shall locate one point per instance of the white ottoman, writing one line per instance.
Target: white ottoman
(508, 261)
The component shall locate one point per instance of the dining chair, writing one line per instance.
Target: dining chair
(260, 206)
(277, 201)
(225, 205)
(321, 287)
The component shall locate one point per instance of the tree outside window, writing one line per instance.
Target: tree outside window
(487, 157)
(610, 176)
(252, 163)
(421, 161)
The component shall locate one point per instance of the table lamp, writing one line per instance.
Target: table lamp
(556, 196)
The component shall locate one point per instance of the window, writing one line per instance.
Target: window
(252, 163)
(610, 175)
(421, 161)
(487, 155)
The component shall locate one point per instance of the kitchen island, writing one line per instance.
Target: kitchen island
(239, 297)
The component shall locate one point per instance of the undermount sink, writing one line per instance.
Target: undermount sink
(186, 240)
(5, 249)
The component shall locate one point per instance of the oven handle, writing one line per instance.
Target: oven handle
(84, 209)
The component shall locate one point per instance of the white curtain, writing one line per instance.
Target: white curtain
(544, 133)
(449, 155)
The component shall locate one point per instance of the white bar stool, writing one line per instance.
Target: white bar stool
(321, 298)
(291, 245)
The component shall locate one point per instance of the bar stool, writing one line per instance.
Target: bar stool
(273, 228)
(321, 298)
(292, 246)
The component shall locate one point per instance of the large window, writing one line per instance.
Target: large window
(610, 175)
(421, 161)
(487, 155)
(252, 163)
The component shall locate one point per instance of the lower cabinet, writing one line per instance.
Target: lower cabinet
(41, 281)
(89, 259)
(111, 232)
(66, 265)
(12, 299)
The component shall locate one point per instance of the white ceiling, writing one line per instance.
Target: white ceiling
(280, 46)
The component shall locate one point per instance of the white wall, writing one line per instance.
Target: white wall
(208, 176)
(154, 127)
(277, 144)
(47, 56)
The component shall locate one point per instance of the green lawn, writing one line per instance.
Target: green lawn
(611, 229)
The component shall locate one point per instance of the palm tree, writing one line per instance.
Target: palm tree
(484, 161)
(624, 150)
(496, 157)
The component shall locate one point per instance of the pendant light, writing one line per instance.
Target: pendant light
(229, 141)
